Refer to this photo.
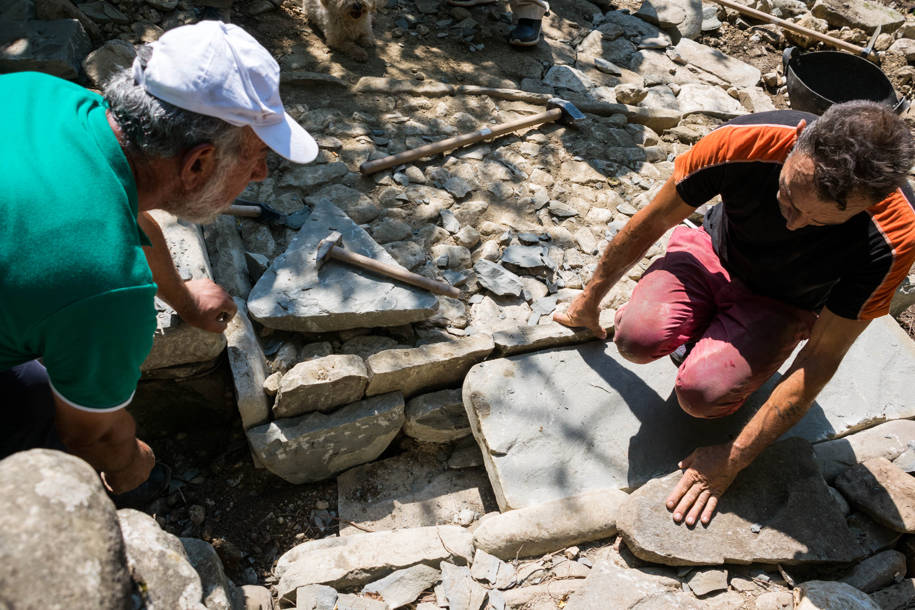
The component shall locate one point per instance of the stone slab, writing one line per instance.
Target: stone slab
(556, 423)
(713, 61)
(410, 490)
(317, 446)
(629, 588)
(437, 417)
(320, 385)
(883, 491)
(888, 440)
(404, 586)
(249, 368)
(293, 294)
(176, 342)
(542, 336)
(765, 517)
(427, 367)
(351, 561)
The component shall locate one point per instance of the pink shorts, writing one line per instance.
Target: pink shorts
(740, 338)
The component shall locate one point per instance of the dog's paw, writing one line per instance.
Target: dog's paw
(358, 53)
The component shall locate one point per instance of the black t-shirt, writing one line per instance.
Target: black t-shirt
(852, 268)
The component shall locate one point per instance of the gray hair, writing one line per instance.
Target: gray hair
(858, 148)
(156, 128)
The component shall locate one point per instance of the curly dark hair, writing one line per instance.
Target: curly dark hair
(858, 147)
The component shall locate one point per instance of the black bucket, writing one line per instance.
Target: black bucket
(820, 79)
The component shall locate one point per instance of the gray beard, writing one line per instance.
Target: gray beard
(208, 202)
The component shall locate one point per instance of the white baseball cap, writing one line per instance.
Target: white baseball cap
(219, 70)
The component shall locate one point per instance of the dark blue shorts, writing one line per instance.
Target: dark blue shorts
(27, 408)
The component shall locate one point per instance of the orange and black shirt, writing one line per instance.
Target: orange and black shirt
(853, 269)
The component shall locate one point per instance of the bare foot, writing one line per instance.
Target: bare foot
(581, 315)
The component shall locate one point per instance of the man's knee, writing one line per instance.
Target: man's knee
(637, 347)
(705, 399)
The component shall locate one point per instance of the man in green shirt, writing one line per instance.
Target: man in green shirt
(184, 130)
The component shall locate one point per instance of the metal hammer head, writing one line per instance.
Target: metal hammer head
(570, 114)
(325, 246)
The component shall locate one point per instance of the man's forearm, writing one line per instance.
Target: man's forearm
(171, 287)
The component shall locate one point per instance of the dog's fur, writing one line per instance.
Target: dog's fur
(346, 24)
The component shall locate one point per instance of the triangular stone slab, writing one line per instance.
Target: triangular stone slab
(293, 294)
(773, 512)
(556, 423)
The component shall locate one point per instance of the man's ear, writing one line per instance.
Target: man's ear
(800, 127)
(197, 165)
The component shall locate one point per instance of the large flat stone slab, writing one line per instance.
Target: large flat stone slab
(557, 423)
(765, 517)
(317, 446)
(630, 588)
(410, 490)
(293, 294)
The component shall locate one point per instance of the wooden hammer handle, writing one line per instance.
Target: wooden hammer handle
(397, 273)
(370, 167)
(246, 211)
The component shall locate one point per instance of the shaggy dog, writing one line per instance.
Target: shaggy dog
(346, 24)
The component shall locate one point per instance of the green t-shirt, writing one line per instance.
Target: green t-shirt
(75, 288)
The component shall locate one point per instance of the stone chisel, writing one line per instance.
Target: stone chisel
(329, 248)
(558, 110)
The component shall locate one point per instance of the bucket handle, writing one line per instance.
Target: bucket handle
(787, 55)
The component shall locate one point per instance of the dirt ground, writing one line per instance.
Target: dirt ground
(250, 516)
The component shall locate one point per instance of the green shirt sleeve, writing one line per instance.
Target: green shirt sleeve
(93, 348)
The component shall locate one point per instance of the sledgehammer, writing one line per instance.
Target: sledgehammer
(329, 248)
(559, 110)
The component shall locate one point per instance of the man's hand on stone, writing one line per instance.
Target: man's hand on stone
(582, 313)
(209, 306)
(707, 473)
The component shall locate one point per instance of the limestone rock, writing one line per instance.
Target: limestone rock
(629, 588)
(567, 77)
(158, 563)
(883, 491)
(426, 367)
(763, 518)
(408, 491)
(862, 15)
(703, 582)
(357, 560)
(321, 385)
(496, 278)
(895, 596)
(249, 368)
(102, 63)
(459, 588)
(314, 597)
(888, 440)
(226, 253)
(219, 593)
(709, 100)
(437, 417)
(683, 16)
(58, 530)
(404, 586)
(828, 595)
(177, 342)
(312, 175)
(366, 345)
(57, 47)
(543, 336)
(316, 446)
(715, 62)
(257, 597)
(877, 571)
(353, 203)
(294, 295)
(550, 526)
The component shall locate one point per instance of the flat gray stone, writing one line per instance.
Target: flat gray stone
(460, 589)
(350, 601)
(226, 253)
(351, 561)
(437, 417)
(713, 61)
(408, 491)
(629, 588)
(426, 367)
(366, 345)
(315, 597)
(60, 546)
(709, 100)
(567, 77)
(828, 595)
(353, 203)
(320, 385)
(176, 342)
(547, 527)
(527, 257)
(703, 582)
(497, 279)
(489, 568)
(616, 50)
(312, 175)
(883, 491)
(317, 446)
(765, 517)
(888, 440)
(895, 596)
(542, 336)
(158, 560)
(103, 12)
(402, 587)
(294, 295)
(877, 571)
(57, 47)
(249, 368)
(109, 58)
(684, 16)
(860, 14)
